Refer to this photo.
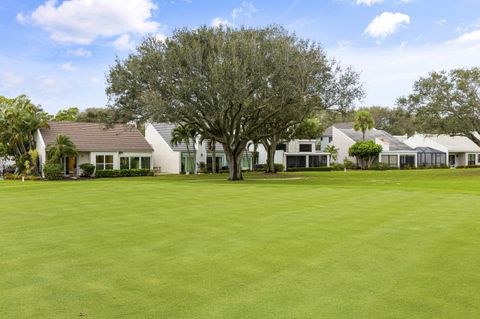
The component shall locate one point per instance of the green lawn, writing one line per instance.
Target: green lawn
(394, 244)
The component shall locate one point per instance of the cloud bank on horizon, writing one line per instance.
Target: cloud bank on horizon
(58, 52)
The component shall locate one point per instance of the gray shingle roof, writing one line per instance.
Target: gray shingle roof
(165, 131)
(96, 137)
(329, 130)
(371, 135)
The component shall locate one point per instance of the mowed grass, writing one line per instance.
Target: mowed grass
(394, 244)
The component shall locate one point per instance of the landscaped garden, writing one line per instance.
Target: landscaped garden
(361, 244)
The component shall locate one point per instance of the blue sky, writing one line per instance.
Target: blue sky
(58, 52)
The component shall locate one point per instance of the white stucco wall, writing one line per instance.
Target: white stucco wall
(342, 143)
(163, 156)
(262, 155)
(41, 149)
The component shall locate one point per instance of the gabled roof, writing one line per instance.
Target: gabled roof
(372, 135)
(329, 130)
(455, 143)
(96, 137)
(165, 131)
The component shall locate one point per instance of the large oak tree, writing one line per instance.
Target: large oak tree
(446, 102)
(232, 85)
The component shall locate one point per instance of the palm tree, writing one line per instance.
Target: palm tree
(363, 122)
(333, 151)
(185, 134)
(62, 147)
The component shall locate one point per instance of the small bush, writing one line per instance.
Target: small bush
(53, 171)
(337, 167)
(469, 166)
(310, 169)
(123, 173)
(87, 169)
(349, 164)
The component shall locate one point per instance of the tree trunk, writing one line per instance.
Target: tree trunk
(234, 166)
(214, 157)
(271, 157)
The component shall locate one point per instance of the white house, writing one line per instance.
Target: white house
(177, 159)
(444, 150)
(120, 146)
(395, 153)
(297, 153)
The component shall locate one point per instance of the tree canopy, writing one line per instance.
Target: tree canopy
(365, 152)
(19, 120)
(363, 122)
(446, 102)
(232, 85)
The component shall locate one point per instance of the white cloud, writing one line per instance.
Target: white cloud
(20, 17)
(368, 2)
(80, 52)
(10, 80)
(68, 67)
(473, 36)
(247, 9)
(123, 43)
(386, 24)
(217, 22)
(83, 21)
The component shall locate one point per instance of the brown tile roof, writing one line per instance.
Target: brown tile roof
(95, 137)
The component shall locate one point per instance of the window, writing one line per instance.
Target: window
(305, 147)
(134, 162)
(124, 162)
(390, 160)
(146, 162)
(471, 159)
(296, 161)
(103, 162)
(282, 147)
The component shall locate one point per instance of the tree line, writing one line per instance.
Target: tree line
(239, 86)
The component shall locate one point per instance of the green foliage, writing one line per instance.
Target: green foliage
(10, 176)
(19, 120)
(53, 171)
(337, 167)
(379, 166)
(333, 151)
(363, 122)
(97, 115)
(62, 147)
(123, 173)
(87, 169)
(309, 169)
(69, 114)
(310, 128)
(278, 167)
(365, 152)
(349, 164)
(446, 102)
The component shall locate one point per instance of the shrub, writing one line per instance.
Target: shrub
(259, 168)
(87, 169)
(278, 167)
(310, 169)
(379, 166)
(349, 164)
(123, 173)
(337, 167)
(53, 171)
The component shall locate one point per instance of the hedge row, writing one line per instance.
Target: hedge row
(123, 173)
(309, 169)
